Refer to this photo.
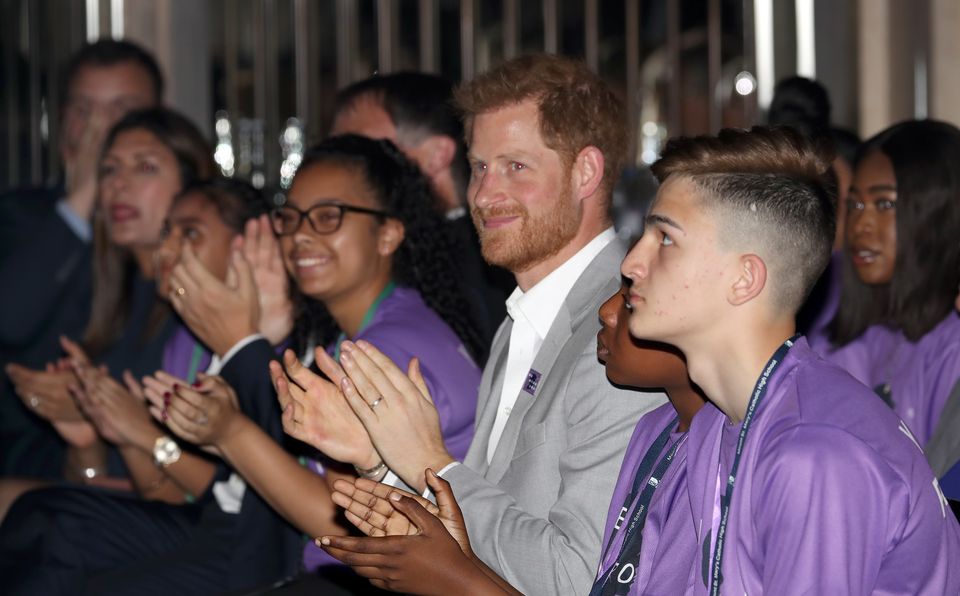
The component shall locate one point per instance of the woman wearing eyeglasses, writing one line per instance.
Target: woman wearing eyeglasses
(370, 261)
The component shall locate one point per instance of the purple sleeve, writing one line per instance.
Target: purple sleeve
(945, 372)
(824, 499)
(452, 386)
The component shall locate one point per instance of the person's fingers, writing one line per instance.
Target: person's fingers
(197, 272)
(159, 414)
(290, 425)
(377, 366)
(389, 545)
(155, 398)
(364, 525)
(365, 506)
(297, 372)
(329, 366)
(133, 386)
(74, 351)
(190, 396)
(20, 374)
(178, 405)
(447, 505)
(416, 513)
(415, 374)
(181, 425)
(170, 381)
(246, 284)
(154, 390)
(375, 393)
(251, 239)
(280, 385)
(359, 406)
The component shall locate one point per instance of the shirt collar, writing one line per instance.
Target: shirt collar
(539, 305)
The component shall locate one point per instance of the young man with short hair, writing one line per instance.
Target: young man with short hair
(800, 480)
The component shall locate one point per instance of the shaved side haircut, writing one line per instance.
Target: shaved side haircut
(772, 193)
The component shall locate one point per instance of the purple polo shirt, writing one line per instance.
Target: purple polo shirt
(917, 377)
(403, 327)
(833, 495)
(669, 537)
(178, 354)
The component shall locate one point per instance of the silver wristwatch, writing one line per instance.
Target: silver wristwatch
(165, 451)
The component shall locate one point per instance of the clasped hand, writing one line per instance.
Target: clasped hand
(396, 410)
(316, 412)
(253, 298)
(206, 413)
(413, 546)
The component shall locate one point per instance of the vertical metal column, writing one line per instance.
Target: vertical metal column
(265, 100)
(551, 34)
(346, 14)
(674, 98)
(231, 58)
(12, 90)
(386, 35)
(632, 16)
(468, 49)
(511, 18)
(429, 36)
(302, 58)
(591, 31)
(36, 58)
(713, 65)
(749, 60)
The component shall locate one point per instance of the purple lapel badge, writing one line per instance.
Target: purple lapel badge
(530, 384)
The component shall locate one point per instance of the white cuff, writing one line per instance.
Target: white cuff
(392, 479)
(77, 224)
(427, 493)
(217, 363)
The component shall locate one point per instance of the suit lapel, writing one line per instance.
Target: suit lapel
(581, 301)
(491, 386)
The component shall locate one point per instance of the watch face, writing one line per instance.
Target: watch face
(165, 451)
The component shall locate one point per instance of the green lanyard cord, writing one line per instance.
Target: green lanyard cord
(367, 317)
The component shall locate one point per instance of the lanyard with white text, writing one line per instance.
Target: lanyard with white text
(716, 577)
(630, 548)
(367, 317)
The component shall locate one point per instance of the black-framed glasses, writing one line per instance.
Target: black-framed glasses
(324, 218)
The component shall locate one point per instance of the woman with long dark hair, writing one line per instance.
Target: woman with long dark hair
(896, 328)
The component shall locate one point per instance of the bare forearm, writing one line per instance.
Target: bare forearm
(79, 459)
(295, 492)
(496, 584)
(150, 482)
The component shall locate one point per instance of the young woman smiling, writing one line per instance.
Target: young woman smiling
(368, 256)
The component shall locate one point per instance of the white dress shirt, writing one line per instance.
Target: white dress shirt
(533, 313)
(229, 493)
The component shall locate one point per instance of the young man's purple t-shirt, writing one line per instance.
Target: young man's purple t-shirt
(832, 496)
(669, 539)
(915, 377)
(403, 327)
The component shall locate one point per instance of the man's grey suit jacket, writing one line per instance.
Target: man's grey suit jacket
(536, 513)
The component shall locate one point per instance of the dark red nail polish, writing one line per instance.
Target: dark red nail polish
(176, 387)
(197, 383)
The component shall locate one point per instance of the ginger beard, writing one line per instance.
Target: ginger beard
(537, 238)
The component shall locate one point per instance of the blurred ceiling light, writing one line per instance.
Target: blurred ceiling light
(744, 83)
